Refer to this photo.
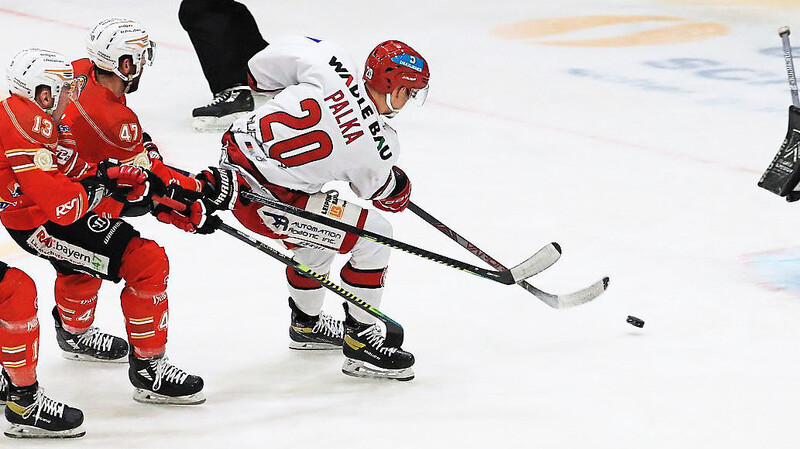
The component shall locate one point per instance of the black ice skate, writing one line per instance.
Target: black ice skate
(90, 346)
(3, 387)
(368, 357)
(226, 106)
(314, 332)
(34, 415)
(159, 382)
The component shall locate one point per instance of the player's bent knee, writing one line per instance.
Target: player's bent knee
(145, 266)
(377, 224)
(17, 296)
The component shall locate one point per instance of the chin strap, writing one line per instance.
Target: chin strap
(391, 108)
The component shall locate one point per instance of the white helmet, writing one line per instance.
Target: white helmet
(113, 38)
(34, 67)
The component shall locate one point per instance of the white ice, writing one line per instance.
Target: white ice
(641, 161)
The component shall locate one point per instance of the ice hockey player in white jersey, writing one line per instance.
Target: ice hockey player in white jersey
(325, 123)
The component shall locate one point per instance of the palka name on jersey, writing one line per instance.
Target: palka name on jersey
(366, 109)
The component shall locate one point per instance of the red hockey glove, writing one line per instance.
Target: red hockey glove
(397, 201)
(186, 210)
(124, 182)
(220, 187)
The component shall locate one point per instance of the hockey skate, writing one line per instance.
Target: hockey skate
(314, 332)
(90, 346)
(367, 357)
(3, 387)
(226, 107)
(34, 415)
(159, 382)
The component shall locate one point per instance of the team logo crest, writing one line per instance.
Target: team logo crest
(43, 159)
(142, 161)
(76, 87)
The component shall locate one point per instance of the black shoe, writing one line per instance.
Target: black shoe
(368, 357)
(159, 382)
(3, 386)
(90, 346)
(34, 415)
(314, 332)
(226, 106)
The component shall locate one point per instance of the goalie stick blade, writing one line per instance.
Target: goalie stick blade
(543, 259)
(571, 299)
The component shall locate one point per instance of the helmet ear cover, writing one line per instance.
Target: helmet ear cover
(32, 70)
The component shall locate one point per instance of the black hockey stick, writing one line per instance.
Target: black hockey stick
(394, 331)
(784, 32)
(554, 301)
(535, 264)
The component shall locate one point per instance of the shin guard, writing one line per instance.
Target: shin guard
(367, 285)
(76, 298)
(145, 268)
(19, 327)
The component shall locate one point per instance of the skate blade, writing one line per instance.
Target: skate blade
(313, 346)
(148, 397)
(213, 124)
(357, 368)
(88, 358)
(23, 431)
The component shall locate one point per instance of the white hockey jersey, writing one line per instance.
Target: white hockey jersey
(321, 127)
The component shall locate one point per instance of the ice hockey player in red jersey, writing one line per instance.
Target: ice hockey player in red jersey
(30, 413)
(33, 191)
(101, 126)
(326, 124)
(97, 247)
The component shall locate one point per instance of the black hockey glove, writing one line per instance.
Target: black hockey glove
(220, 187)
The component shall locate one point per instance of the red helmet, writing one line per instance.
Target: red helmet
(394, 64)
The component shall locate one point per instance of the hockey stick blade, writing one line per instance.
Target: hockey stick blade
(571, 299)
(554, 301)
(543, 259)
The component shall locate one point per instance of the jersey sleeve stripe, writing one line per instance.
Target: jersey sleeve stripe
(22, 152)
(23, 168)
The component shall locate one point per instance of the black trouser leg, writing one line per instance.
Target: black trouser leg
(225, 36)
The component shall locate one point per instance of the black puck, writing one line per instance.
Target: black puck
(635, 321)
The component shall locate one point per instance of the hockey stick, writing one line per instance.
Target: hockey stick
(535, 264)
(555, 301)
(394, 331)
(784, 32)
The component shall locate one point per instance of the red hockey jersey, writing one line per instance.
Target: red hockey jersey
(33, 189)
(104, 127)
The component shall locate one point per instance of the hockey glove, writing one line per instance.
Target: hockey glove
(397, 201)
(124, 183)
(150, 147)
(186, 210)
(220, 187)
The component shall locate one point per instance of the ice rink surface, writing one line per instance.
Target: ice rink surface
(631, 132)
